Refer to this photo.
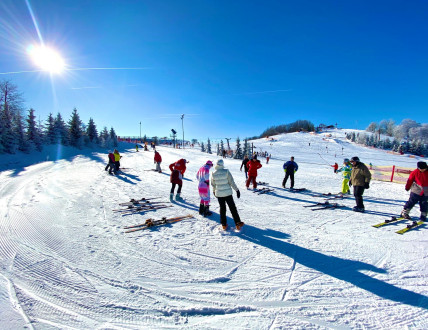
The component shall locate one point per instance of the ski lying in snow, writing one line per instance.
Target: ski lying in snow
(295, 189)
(265, 191)
(413, 225)
(130, 204)
(261, 190)
(140, 205)
(318, 204)
(329, 206)
(261, 183)
(137, 201)
(140, 209)
(389, 221)
(152, 223)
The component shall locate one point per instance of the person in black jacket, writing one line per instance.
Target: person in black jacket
(289, 167)
(244, 164)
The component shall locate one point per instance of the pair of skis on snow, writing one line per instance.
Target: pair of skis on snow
(149, 223)
(323, 206)
(263, 190)
(413, 225)
(140, 205)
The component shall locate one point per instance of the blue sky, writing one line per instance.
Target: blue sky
(233, 68)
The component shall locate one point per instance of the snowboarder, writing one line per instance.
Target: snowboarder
(290, 168)
(222, 183)
(158, 161)
(253, 165)
(177, 172)
(111, 166)
(417, 183)
(360, 179)
(346, 169)
(244, 164)
(335, 167)
(117, 158)
(203, 177)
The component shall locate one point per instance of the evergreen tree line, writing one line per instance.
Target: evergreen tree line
(297, 126)
(26, 134)
(408, 137)
(237, 153)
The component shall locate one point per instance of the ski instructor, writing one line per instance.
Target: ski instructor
(222, 183)
(360, 179)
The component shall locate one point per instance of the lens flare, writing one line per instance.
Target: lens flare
(46, 58)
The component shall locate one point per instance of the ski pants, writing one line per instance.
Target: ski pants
(232, 207)
(345, 186)
(173, 188)
(414, 199)
(117, 165)
(204, 193)
(291, 175)
(358, 194)
(158, 168)
(110, 167)
(253, 180)
(246, 174)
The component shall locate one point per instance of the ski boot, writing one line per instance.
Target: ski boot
(423, 217)
(405, 214)
(171, 196)
(201, 209)
(207, 211)
(224, 227)
(358, 209)
(239, 225)
(178, 198)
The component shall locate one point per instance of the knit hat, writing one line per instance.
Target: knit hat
(220, 162)
(346, 160)
(422, 165)
(355, 159)
(210, 163)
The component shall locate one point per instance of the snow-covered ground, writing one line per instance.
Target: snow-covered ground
(65, 261)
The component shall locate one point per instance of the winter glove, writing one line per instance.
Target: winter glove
(207, 183)
(238, 194)
(366, 185)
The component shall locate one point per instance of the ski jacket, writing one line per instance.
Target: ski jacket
(158, 157)
(116, 157)
(290, 166)
(222, 182)
(360, 175)
(111, 157)
(418, 182)
(346, 171)
(180, 165)
(253, 166)
(203, 175)
(244, 163)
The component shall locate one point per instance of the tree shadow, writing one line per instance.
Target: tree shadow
(339, 268)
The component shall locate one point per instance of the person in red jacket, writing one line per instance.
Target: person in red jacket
(253, 165)
(417, 183)
(158, 161)
(177, 172)
(111, 163)
(335, 167)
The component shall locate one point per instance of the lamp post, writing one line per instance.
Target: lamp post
(140, 131)
(182, 126)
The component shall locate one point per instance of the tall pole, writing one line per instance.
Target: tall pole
(182, 126)
(140, 131)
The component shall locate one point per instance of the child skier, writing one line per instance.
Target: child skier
(253, 165)
(335, 167)
(346, 169)
(177, 172)
(158, 161)
(418, 186)
(244, 164)
(203, 177)
(117, 158)
(111, 166)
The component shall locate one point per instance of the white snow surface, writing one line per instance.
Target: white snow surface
(66, 262)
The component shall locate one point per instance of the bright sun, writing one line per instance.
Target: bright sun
(46, 58)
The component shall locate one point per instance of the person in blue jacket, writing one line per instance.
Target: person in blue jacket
(289, 167)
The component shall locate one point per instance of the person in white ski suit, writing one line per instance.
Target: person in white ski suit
(203, 177)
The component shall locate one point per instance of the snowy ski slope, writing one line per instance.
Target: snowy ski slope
(65, 261)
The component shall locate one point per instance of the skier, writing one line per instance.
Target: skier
(222, 183)
(267, 159)
(158, 161)
(136, 147)
(203, 177)
(360, 179)
(335, 167)
(417, 183)
(289, 168)
(177, 172)
(110, 166)
(244, 163)
(346, 169)
(117, 158)
(253, 165)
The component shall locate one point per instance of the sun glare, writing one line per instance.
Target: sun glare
(47, 59)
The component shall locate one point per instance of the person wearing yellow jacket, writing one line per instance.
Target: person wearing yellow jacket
(117, 158)
(346, 169)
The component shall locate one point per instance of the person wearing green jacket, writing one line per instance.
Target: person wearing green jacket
(346, 169)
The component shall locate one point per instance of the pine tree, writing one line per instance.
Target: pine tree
(105, 139)
(50, 130)
(61, 131)
(75, 130)
(7, 136)
(209, 146)
(113, 137)
(246, 149)
(202, 147)
(34, 136)
(21, 139)
(238, 154)
(218, 149)
(221, 147)
(91, 131)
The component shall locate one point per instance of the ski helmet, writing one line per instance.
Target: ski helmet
(346, 160)
(210, 163)
(422, 165)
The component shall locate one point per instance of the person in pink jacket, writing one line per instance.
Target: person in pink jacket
(203, 177)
